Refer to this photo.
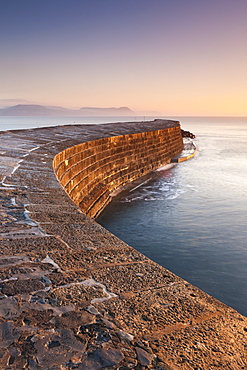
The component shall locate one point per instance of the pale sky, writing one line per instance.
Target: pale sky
(177, 57)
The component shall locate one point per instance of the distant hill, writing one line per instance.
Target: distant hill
(40, 110)
(27, 110)
(106, 111)
(5, 103)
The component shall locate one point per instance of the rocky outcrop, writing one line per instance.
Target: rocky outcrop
(187, 134)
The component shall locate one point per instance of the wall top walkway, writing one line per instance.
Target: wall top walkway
(75, 296)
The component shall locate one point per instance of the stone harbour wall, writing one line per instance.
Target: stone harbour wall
(90, 171)
(73, 295)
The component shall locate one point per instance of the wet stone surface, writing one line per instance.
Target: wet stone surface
(73, 296)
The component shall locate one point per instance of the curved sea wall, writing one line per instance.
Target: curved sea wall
(90, 171)
(73, 295)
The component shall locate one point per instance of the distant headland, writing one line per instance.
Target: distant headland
(53, 111)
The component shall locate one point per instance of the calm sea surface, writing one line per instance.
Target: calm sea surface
(192, 218)
(14, 123)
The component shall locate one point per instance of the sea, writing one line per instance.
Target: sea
(16, 123)
(190, 217)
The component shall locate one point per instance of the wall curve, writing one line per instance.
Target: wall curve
(90, 171)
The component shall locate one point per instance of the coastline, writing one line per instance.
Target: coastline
(188, 152)
(88, 298)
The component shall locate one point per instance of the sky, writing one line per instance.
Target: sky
(175, 57)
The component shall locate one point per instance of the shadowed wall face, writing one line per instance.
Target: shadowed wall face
(90, 171)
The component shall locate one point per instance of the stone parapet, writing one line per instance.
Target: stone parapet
(90, 171)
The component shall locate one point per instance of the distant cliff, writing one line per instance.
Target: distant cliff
(40, 110)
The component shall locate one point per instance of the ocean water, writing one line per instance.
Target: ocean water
(14, 123)
(192, 217)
